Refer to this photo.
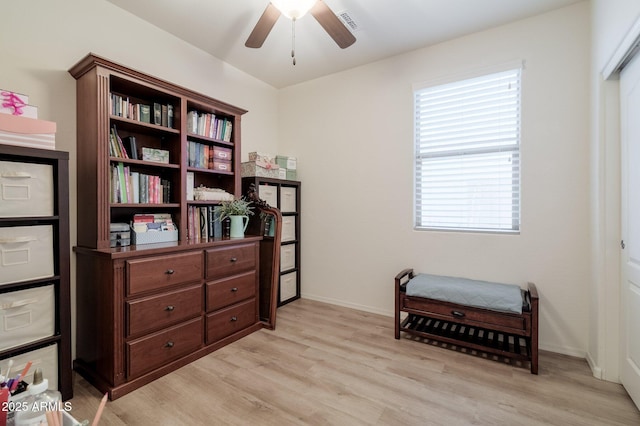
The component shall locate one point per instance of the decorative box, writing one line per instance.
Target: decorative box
(28, 132)
(253, 168)
(17, 104)
(222, 165)
(286, 162)
(220, 153)
(155, 155)
(151, 237)
(282, 173)
(262, 157)
(292, 174)
(120, 234)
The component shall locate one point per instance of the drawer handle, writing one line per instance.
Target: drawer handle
(169, 344)
(234, 289)
(16, 175)
(170, 272)
(169, 308)
(234, 259)
(234, 318)
(457, 314)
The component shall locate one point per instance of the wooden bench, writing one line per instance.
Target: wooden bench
(506, 334)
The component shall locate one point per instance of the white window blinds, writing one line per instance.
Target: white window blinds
(467, 154)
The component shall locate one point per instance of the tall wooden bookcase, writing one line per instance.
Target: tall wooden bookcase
(24, 317)
(145, 310)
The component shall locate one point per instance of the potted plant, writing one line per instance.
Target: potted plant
(238, 211)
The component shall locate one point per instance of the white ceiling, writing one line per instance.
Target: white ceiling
(386, 28)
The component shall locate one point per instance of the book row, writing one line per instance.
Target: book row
(203, 156)
(155, 113)
(206, 124)
(129, 187)
(203, 224)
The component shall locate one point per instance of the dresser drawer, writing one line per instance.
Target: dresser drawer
(26, 316)
(226, 261)
(287, 199)
(287, 257)
(288, 286)
(163, 271)
(288, 228)
(26, 189)
(153, 312)
(269, 194)
(26, 253)
(230, 320)
(45, 359)
(229, 291)
(467, 315)
(153, 351)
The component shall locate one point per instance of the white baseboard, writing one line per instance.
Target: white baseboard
(348, 305)
(595, 370)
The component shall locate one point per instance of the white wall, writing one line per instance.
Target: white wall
(40, 40)
(352, 133)
(611, 20)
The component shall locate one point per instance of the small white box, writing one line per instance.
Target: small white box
(26, 316)
(288, 228)
(151, 237)
(288, 286)
(287, 199)
(292, 163)
(44, 358)
(287, 257)
(26, 189)
(269, 194)
(26, 253)
(282, 173)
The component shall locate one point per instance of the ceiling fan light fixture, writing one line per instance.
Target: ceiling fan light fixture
(293, 9)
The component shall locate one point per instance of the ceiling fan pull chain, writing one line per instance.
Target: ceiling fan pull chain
(293, 40)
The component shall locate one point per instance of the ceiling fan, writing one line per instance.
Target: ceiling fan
(295, 9)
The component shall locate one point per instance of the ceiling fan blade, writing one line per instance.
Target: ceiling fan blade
(263, 27)
(332, 25)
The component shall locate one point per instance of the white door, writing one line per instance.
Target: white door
(630, 291)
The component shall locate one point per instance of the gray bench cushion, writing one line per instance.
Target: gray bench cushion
(463, 291)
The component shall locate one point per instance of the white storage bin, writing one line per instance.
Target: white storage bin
(288, 286)
(26, 253)
(269, 194)
(26, 189)
(44, 358)
(287, 199)
(26, 316)
(287, 257)
(288, 228)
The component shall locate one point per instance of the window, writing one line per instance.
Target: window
(467, 154)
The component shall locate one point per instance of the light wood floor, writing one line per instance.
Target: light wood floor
(328, 365)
